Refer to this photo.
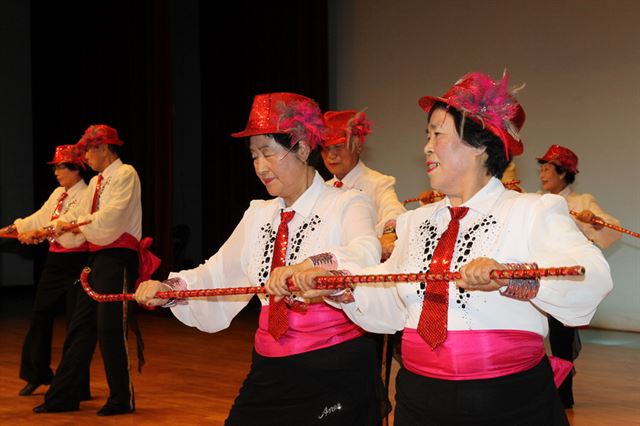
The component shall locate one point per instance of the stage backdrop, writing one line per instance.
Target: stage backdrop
(579, 58)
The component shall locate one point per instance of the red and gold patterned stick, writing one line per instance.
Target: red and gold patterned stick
(9, 232)
(338, 282)
(42, 233)
(609, 225)
(433, 196)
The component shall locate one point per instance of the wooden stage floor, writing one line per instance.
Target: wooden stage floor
(191, 377)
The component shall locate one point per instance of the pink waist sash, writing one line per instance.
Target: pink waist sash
(319, 327)
(148, 262)
(473, 354)
(55, 247)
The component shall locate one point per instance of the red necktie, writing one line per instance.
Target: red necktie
(58, 210)
(278, 320)
(432, 326)
(338, 184)
(96, 195)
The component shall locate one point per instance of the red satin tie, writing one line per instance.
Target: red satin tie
(278, 315)
(338, 184)
(58, 210)
(96, 194)
(432, 326)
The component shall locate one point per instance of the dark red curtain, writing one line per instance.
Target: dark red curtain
(110, 62)
(107, 62)
(249, 48)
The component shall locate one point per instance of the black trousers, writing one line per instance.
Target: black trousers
(111, 270)
(562, 340)
(528, 398)
(335, 386)
(55, 288)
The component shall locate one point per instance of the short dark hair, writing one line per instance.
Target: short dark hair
(569, 177)
(473, 134)
(116, 149)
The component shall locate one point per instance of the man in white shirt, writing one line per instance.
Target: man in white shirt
(344, 142)
(113, 206)
(558, 169)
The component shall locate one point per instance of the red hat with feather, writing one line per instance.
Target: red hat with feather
(274, 113)
(489, 103)
(67, 154)
(343, 125)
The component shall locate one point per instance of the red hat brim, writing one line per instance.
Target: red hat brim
(255, 132)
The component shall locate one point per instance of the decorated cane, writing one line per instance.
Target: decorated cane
(11, 232)
(609, 225)
(338, 282)
(436, 196)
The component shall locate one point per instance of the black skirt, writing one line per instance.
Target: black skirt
(528, 398)
(338, 385)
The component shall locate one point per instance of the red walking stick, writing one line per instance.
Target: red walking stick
(338, 282)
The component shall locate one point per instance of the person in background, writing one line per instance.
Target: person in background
(61, 270)
(112, 205)
(558, 170)
(346, 134)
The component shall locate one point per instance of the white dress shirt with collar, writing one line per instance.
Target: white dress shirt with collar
(327, 219)
(119, 208)
(42, 217)
(380, 188)
(504, 225)
(578, 202)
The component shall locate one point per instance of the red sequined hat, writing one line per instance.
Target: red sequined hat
(489, 103)
(283, 112)
(67, 154)
(99, 134)
(342, 125)
(561, 156)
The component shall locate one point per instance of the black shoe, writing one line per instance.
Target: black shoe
(28, 389)
(110, 410)
(43, 408)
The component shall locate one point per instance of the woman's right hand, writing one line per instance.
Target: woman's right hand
(145, 294)
(305, 281)
(30, 237)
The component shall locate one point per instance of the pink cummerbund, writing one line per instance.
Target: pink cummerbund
(55, 247)
(319, 327)
(473, 354)
(125, 240)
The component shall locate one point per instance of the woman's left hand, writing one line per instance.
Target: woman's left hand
(277, 283)
(476, 275)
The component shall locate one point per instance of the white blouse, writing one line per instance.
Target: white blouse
(42, 217)
(380, 188)
(119, 208)
(326, 220)
(578, 202)
(504, 225)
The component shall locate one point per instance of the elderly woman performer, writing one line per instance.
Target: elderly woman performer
(310, 362)
(473, 350)
(558, 170)
(62, 268)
